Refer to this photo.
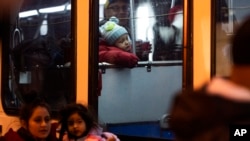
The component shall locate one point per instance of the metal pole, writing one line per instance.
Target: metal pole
(132, 25)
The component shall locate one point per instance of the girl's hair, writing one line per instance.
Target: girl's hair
(80, 109)
(27, 109)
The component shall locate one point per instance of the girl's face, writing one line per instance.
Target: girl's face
(123, 43)
(76, 125)
(39, 124)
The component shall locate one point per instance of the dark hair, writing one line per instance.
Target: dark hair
(80, 109)
(241, 44)
(113, 1)
(27, 109)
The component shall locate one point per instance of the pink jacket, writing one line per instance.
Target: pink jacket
(94, 135)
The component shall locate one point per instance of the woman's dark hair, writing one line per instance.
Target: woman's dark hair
(80, 109)
(27, 109)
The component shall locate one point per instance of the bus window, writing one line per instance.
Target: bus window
(38, 55)
(134, 101)
(228, 15)
(155, 27)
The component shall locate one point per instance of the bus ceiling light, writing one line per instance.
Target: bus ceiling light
(44, 28)
(52, 9)
(28, 13)
(55, 9)
(68, 7)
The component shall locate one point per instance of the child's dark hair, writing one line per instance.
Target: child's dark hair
(28, 108)
(80, 109)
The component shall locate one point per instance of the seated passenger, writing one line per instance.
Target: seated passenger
(35, 124)
(115, 45)
(77, 123)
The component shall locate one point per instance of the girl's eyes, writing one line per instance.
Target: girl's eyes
(40, 119)
(47, 119)
(70, 123)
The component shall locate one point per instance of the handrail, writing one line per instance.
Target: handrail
(147, 64)
(144, 63)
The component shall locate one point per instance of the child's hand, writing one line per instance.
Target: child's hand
(126, 59)
(93, 138)
(143, 49)
(110, 136)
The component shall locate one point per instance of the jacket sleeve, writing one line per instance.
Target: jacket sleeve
(110, 136)
(118, 57)
(93, 138)
(11, 135)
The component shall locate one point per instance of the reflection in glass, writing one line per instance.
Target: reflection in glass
(229, 14)
(154, 26)
(40, 55)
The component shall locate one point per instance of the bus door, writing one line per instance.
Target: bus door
(134, 102)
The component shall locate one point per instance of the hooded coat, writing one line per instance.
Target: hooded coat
(209, 113)
(116, 56)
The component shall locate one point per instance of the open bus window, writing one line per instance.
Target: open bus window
(228, 15)
(38, 54)
(155, 27)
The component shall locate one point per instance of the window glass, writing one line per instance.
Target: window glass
(38, 55)
(134, 99)
(155, 27)
(228, 15)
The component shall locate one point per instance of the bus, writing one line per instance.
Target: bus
(49, 49)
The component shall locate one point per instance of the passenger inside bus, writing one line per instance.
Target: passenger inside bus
(121, 10)
(214, 111)
(115, 45)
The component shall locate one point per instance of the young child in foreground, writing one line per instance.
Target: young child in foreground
(115, 46)
(78, 124)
